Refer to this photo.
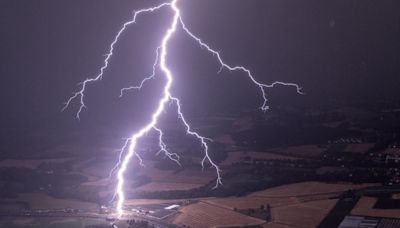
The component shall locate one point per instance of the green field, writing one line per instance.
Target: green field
(17, 222)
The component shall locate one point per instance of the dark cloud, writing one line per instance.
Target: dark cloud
(335, 50)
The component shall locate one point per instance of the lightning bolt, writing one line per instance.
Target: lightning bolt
(128, 150)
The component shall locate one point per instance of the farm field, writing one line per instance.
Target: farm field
(359, 148)
(308, 188)
(169, 180)
(275, 225)
(193, 176)
(30, 164)
(235, 157)
(225, 139)
(249, 202)
(151, 171)
(42, 201)
(49, 222)
(365, 205)
(166, 186)
(100, 169)
(244, 123)
(80, 150)
(303, 215)
(160, 179)
(99, 182)
(303, 150)
(203, 215)
(313, 199)
(133, 202)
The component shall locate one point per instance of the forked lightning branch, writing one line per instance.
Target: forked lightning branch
(128, 150)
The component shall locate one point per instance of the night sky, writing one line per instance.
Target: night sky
(348, 49)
